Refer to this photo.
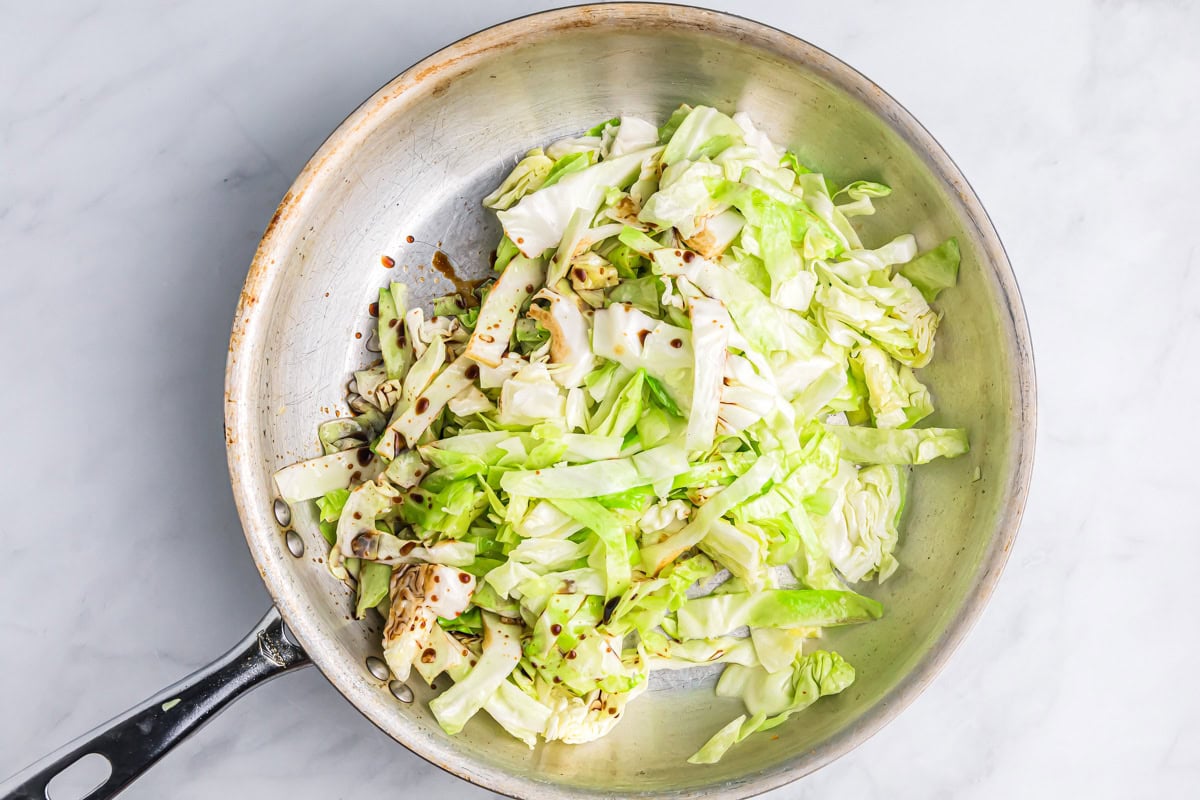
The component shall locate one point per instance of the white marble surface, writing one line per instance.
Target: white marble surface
(143, 147)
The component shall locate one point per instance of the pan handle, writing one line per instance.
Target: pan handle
(134, 741)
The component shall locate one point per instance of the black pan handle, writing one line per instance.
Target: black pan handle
(134, 741)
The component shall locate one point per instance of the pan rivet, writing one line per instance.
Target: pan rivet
(283, 512)
(295, 544)
(378, 668)
(373, 344)
(401, 691)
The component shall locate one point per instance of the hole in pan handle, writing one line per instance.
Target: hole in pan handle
(132, 742)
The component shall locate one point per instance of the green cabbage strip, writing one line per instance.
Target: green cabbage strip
(813, 677)
(719, 614)
(586, 480)
(657, 556)
(912, 446)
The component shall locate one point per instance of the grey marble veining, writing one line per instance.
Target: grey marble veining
(143, 147)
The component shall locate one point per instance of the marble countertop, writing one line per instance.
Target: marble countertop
(143, 148)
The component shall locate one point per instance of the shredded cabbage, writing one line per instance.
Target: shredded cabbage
(676, 431)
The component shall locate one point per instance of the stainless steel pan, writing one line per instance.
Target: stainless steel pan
(413, 161)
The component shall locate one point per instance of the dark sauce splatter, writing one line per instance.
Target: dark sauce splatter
(465, 288)
(609, 608)
(361, 545)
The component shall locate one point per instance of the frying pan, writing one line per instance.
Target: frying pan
(402, 177)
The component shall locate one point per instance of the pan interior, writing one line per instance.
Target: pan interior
(415, 161)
